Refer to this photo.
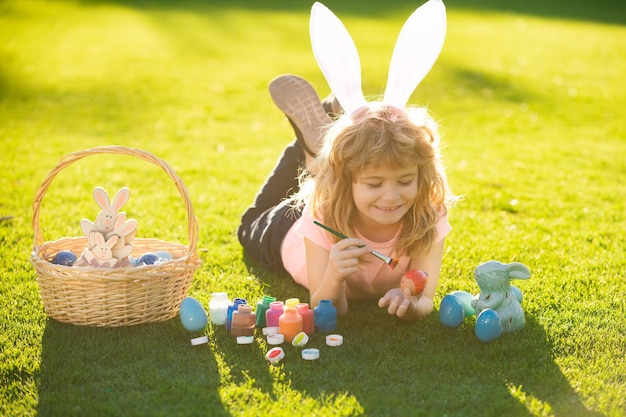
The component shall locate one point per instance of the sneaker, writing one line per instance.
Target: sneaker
(332, 107)
(295, 97)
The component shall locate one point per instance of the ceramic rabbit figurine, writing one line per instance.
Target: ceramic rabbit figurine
(111, 230)
(125, 231)
(497, 293)
(101, 255)
(105, 220)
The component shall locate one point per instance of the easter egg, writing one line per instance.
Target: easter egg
(192, 315)
(65, 257)
(164, 256)
(466, 300)
(488, 325)
(518, 293)
(451, 313)
(147, 259)
(414, 280)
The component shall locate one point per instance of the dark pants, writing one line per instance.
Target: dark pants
(265, 223)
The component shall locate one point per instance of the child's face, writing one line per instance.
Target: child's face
(383, 195)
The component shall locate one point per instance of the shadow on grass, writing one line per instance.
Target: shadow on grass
(131, 371)
(395, 368)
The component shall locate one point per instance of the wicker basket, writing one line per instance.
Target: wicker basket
(114, 296)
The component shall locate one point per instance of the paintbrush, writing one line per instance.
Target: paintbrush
(392, 262)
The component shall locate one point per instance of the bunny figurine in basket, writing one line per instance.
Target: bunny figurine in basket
(109, 237)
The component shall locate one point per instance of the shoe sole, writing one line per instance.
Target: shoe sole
(295, 97)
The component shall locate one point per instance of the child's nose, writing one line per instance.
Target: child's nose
(392, 192)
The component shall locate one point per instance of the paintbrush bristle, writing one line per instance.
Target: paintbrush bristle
(393, 263)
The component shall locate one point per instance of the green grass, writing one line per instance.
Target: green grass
(531, 102)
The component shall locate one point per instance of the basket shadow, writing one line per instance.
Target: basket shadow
(148, 369)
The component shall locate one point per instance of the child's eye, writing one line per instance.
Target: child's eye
(405, 183)
(374, 185)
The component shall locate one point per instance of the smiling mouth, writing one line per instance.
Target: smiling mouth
(388, 208)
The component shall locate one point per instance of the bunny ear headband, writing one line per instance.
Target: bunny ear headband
(417, 48)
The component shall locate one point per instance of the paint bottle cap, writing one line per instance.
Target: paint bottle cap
(310, 354)
(245, 340)
(275, 339)
(334, 340)
(199, 340)
(275, 354)
(300, 339)
(269, 330)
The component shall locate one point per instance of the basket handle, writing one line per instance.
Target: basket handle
(117, 150)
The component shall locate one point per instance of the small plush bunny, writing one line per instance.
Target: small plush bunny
(105, 220)
(496, 292)
(125, 231)
(101, 255)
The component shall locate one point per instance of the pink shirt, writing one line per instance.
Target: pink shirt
(371, 275)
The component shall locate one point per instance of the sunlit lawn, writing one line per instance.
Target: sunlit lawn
(531, 103)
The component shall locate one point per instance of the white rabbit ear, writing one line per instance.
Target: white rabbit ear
(119, 221)
(417, 48)
(102, 198)
(99, 238)
(112, 241)
(337, 57)
(121, 198)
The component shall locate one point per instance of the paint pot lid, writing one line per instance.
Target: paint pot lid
(310, 354)
(334, 340)
(275, 354)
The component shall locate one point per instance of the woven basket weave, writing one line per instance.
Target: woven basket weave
(114, 296)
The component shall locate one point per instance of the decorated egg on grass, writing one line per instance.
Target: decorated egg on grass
(414, 280)
(466, 300)
(451, 312)
(65, 257)
(192, 315)
(488, 325)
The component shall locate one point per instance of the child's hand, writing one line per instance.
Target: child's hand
(404, 305)
(344, 257)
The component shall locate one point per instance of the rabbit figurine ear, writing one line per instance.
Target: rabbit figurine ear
(417, 48)
(120, 199)
(102, 198)
(518, 270)
(337, 57)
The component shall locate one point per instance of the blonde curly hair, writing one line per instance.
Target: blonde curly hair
(380, 135)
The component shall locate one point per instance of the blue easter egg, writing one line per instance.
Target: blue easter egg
(164, 256)
(192, 315)
(488, 325)
(466, 300)
(451, 313)
(147, 259)
(65, 257)
(518, 293)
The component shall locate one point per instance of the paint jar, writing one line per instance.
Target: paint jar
(325, 316)
(273, 314)
(232, 308)
(308, 319)
(261, 307)
(290, 324)
(218, 308)
(291, 302)
(243, 321)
